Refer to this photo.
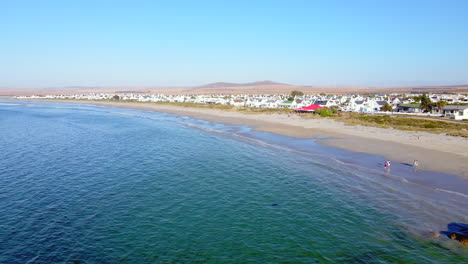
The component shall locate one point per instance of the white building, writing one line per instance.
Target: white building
(457, 112)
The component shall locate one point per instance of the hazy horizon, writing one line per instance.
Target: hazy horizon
(227, 82)
(55, 44)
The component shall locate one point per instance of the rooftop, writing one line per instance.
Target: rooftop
(410, 105)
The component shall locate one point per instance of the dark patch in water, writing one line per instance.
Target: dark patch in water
(458, 231)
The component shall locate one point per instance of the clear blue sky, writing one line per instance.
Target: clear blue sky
(96, 43)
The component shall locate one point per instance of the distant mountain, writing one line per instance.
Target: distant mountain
(227, 84)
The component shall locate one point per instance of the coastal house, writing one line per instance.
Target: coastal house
(408, 108)
(297, 103)
(378, 104)
(457, 112)
(370, 106)
(271, 103)
(323, 103)
(223, 101)
(355, 106)
(286, 104)
(237, 102)
(395, 102)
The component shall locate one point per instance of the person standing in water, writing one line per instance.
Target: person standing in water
(386, 165)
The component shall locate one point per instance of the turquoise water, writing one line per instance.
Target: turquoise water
(85, 184)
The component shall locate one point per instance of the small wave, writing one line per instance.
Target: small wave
(201, 127)
(125, 114)
(451, 192)
(135, 115)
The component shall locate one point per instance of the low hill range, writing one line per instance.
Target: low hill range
(227, 84)
(258, 87)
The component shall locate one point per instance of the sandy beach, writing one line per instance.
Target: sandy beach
(436, 152)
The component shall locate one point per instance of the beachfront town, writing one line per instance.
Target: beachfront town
(454, 106)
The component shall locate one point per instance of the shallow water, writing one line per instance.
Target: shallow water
(106, 185)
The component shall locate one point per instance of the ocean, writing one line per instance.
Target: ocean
(93, 184)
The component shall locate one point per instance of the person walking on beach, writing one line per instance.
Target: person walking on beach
(415, 166)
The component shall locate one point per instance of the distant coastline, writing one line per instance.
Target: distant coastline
(436, 152)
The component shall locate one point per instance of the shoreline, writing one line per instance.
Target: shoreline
(436, 152)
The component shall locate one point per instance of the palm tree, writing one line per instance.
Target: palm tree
(440, 104)
(426, 104)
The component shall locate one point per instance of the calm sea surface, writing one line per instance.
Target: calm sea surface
(86, 184)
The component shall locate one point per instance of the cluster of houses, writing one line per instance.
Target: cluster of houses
(457, 107)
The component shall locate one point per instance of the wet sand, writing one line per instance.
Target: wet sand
(436, 152)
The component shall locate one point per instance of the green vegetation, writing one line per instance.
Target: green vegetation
(255, 110)
(426, 104)
(405, 123)
(323, 112)
(417, 99)
(296, 93)
(326, 112)
(387, 107)
(440, 104)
